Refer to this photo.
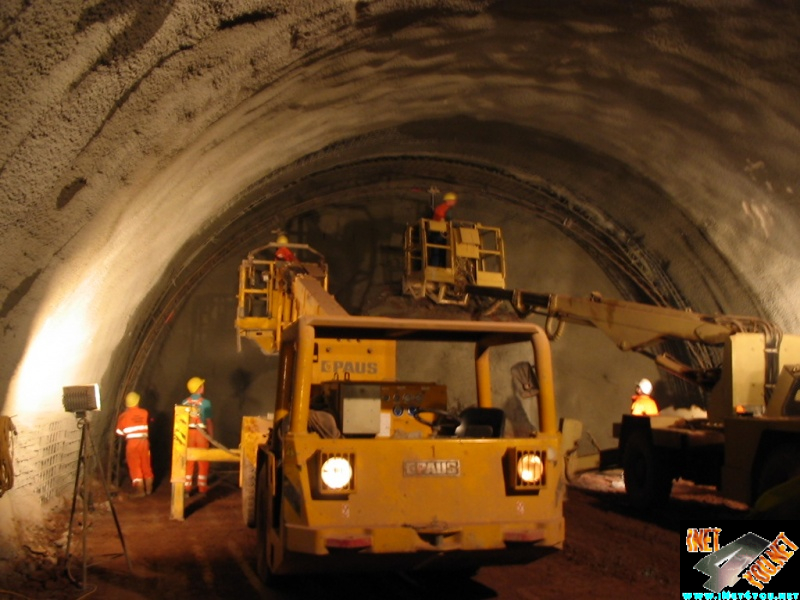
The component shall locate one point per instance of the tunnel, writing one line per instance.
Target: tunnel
(646, 151)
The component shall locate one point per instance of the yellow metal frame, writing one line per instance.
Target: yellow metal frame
(473, 254)
(181, 453)
(268, 300)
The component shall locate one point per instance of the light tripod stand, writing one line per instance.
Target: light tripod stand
(82, 483)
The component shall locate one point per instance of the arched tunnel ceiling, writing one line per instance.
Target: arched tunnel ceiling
(139, 136)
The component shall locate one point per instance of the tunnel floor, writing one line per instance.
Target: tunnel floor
(610, 551)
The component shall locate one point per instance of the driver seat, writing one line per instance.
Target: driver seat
(479, 422)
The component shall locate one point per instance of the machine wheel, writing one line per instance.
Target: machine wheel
(248, 493)
(648, 481)
(781, 464)
(264, 507)
(262, 518)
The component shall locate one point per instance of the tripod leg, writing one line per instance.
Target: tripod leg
(113, 510)
(74, 499)
(85, 528)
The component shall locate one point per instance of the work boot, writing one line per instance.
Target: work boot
(138, 489)
(148, 486)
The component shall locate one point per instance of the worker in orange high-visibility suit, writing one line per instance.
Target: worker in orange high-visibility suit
(133, 424)
(642, 403)
(199, 422)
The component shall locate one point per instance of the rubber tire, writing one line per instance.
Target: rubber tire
(648, 481)
(248, 493)
(781, 465)
(262, 518)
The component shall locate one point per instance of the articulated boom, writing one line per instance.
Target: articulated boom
(639, 327)
(749, 442)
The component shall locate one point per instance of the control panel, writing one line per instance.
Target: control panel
(380, 409)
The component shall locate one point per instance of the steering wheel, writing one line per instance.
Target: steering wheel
(440, 419)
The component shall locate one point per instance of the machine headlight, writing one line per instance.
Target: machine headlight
(525, 470)
(530, 469)
(336, 473)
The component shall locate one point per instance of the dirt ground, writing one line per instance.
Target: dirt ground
(610, 551)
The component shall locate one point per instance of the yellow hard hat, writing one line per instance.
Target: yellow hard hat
(132, 399)
(194, 384)
(282, 239)
(450, 197)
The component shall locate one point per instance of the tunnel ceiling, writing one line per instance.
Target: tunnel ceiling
(141, 140)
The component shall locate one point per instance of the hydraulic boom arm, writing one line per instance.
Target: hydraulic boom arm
(636, 326)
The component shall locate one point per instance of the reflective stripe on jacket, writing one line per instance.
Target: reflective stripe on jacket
(133, 432)
(133, 423)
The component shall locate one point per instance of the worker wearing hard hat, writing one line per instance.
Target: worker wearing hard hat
(438, 256)
(641, 402)
(200, 423)
(440, 213)
(133, 425)
(284, 253)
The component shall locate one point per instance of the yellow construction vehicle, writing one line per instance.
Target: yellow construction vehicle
(387, 447)
(749, 441)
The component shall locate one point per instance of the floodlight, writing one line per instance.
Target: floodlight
(81, 398)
